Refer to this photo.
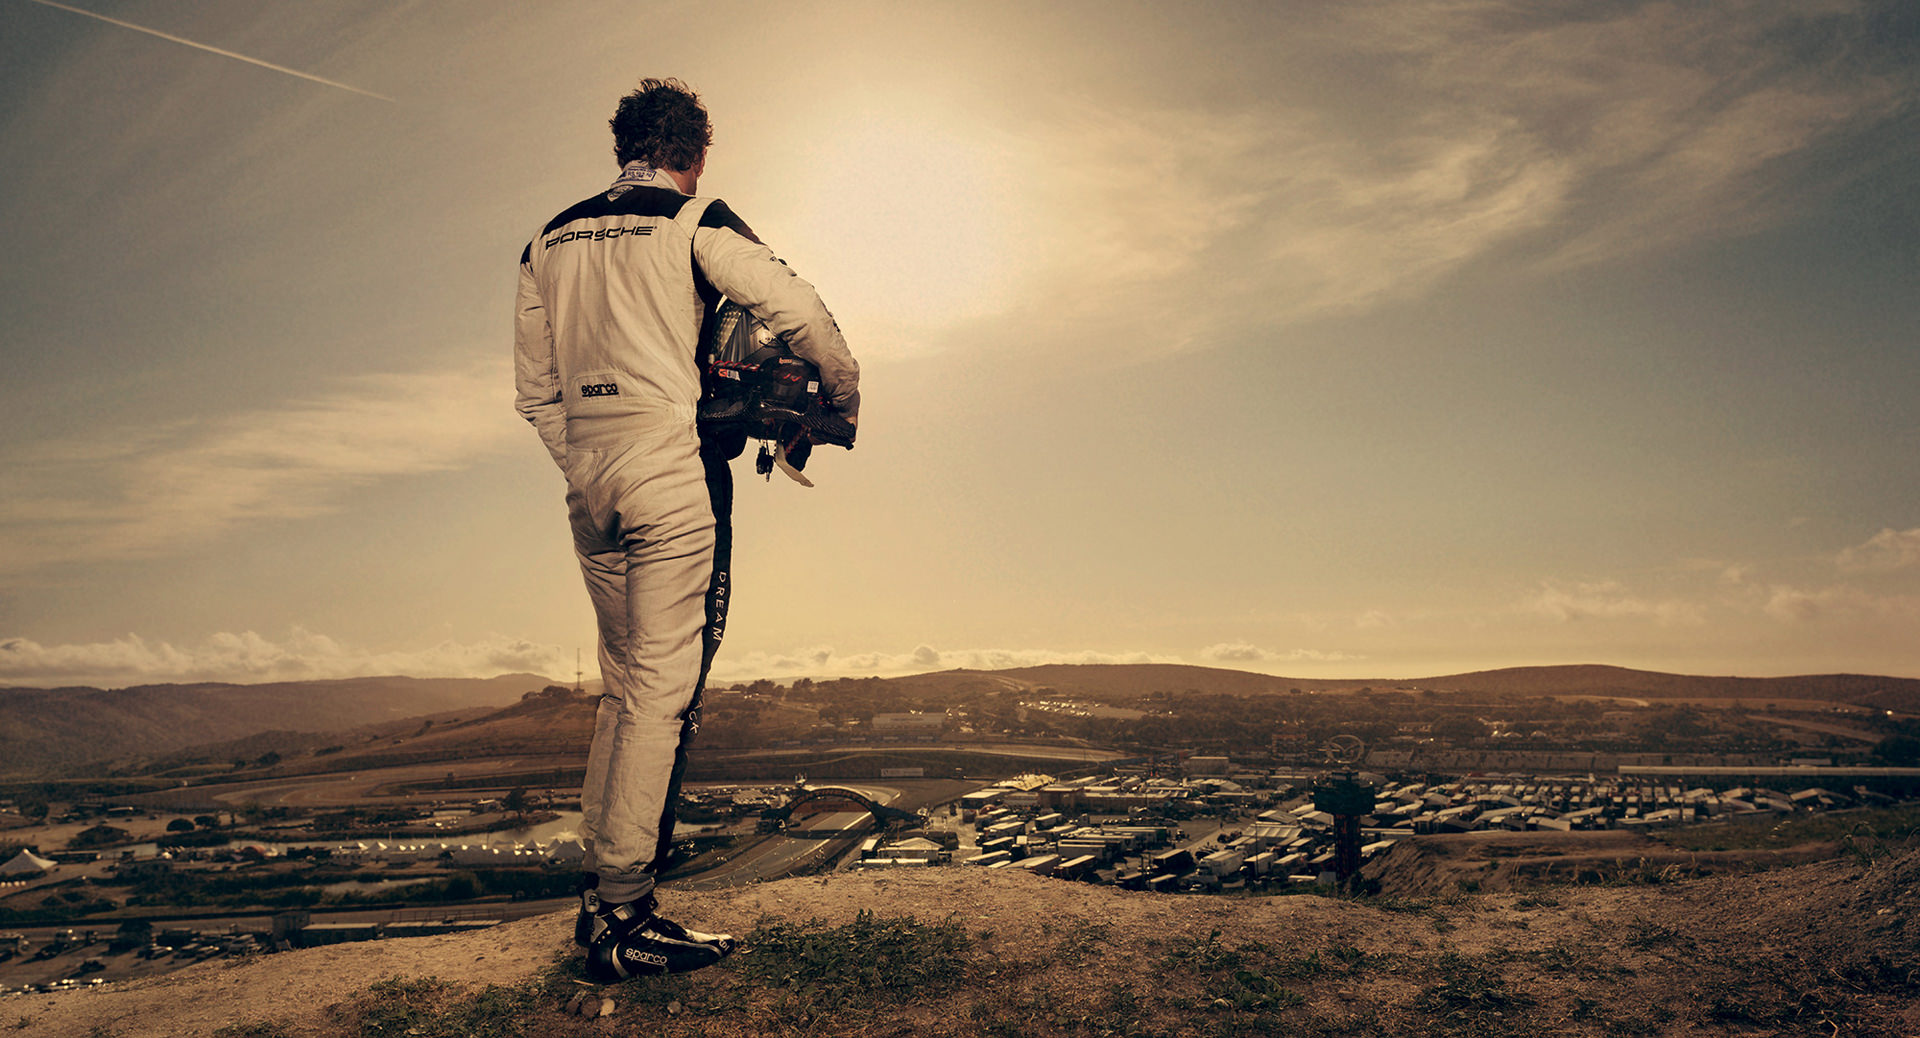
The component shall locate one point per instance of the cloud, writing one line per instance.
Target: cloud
(1557, 136)
(1884, 552)
(1669, 121)
(1373, 618)
(1728, 573)
(1275, 216)
(1840, 603)
(306, 655)
(1608, 600)
(1241, 652)
(249, 657)
(125, 492)
(1888, 551)
(1793, 605)
(825, 661)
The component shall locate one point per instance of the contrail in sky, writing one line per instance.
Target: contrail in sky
(214, 50)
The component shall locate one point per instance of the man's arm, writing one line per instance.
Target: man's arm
(536, 374)
(749, 274)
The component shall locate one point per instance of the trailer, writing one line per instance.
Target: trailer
(1039, 864)
(1174, 861)
(1076, 868)
(1221, 864)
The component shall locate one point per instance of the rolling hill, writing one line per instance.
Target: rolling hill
(1112, 681)
(53, 730)
(44, 731)
(1885, 693)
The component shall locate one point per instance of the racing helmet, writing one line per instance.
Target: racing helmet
(754, 384)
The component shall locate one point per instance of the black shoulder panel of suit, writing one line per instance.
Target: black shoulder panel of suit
(526, 254)
(639, 201)
(718, 215)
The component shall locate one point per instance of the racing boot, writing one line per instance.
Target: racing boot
(632, 939)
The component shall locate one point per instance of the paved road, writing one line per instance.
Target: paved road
(1000, 749)
(358, 788)
(1841, 730)
(771, 856)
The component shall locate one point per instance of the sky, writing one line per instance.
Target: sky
(1378, 339)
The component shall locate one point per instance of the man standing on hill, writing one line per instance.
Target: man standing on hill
(607, 335)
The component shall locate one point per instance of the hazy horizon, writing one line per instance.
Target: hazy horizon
(1326, 341)
(591, 681)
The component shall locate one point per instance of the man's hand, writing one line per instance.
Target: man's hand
(829, 427)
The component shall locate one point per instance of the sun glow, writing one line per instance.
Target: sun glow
(913, 224)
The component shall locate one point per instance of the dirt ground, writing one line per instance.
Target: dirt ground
(1828, 948)
(200, 999)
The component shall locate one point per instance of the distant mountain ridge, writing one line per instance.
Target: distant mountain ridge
(1868, 690)
(50, 730)
(43, 729)
(1123, 679)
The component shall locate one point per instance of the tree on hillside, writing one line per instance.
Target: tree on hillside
(99, 836)
(134, 933)
(1458, 731)
(1899, 750)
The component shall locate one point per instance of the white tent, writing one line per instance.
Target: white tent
(25, 863)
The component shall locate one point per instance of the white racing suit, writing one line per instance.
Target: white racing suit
(607, 331)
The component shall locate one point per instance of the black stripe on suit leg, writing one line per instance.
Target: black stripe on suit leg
(719, 590)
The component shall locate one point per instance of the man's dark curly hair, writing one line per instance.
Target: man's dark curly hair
(662, 122)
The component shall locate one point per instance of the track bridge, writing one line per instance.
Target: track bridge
(888, 817)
